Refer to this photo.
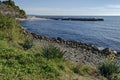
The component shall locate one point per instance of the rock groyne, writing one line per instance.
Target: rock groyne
(79, 19)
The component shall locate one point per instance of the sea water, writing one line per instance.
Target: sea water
(100, 33)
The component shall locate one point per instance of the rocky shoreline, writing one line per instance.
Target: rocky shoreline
(77, 52)
(76, 44)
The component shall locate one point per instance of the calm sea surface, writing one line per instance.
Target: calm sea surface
(100, 33)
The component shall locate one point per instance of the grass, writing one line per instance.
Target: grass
(82, 69)
(52, 52)
(17, 64)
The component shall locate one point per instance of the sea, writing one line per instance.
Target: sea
(99, 33)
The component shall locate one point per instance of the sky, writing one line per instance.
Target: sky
(70, 7)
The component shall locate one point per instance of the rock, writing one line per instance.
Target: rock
(79, 19)
(60, 39)
(108, 51)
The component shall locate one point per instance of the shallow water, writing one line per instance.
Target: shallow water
(100, 33)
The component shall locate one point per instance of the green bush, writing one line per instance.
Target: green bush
(107, 69)
(52, 52)
(28, 44)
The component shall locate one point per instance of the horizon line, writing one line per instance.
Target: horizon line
(70, 15)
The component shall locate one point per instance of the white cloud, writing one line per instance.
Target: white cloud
(106, 10)
(114, 6)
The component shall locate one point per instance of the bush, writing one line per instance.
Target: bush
(28, 44)
(107, 69)
(52, 52)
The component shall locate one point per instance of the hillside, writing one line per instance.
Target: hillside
(11, 9)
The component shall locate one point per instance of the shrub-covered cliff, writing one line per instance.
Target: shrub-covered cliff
(9, 8)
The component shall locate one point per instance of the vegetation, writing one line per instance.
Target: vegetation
(11, 8)
(28, 44)
(52, 52)
(110, 68)
(9, 2)
(20, 59)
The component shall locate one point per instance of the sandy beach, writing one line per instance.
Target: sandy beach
(31, 18)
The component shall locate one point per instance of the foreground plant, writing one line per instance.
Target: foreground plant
(52, 52)
(110, 68)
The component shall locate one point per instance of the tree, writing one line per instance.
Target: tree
(9, 2)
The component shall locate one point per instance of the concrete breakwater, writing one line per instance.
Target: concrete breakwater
(78, 19)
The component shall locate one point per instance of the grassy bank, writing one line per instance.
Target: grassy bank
(20, 59)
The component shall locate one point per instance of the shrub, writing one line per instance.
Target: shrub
(109, 67)
(52, 52)
(28, 44)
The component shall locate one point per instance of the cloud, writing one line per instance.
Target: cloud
(114, 6)
(105, 10)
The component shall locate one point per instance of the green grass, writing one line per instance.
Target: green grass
(52, 52)
(17, 63)
(82, 69)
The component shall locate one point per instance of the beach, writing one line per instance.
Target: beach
(31, 18)
(76, 52)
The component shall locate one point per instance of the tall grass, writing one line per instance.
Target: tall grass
(110, 68)
(52, 52)
(10, 30)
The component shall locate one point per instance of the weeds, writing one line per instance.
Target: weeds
(52, 52)
(109, 68)
(28, 44)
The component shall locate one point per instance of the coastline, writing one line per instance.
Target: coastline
(88, 46)
(77, 52)
(75, 44)
(31, 18)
